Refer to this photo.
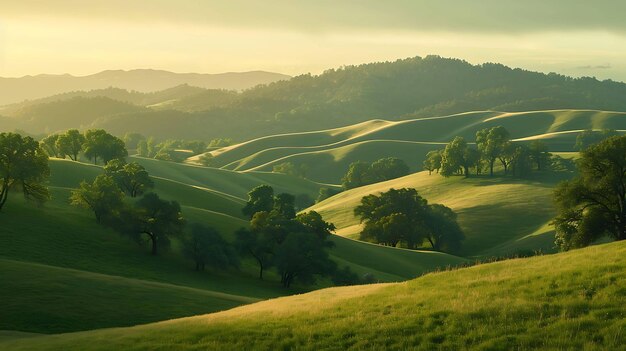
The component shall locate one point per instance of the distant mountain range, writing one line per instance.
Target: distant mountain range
(15, 90)
(399, 90)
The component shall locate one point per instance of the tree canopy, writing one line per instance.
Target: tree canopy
(362, 173)
(593, 204)
(132, 177)
(402, 216)
(101, 145)
(23, 166)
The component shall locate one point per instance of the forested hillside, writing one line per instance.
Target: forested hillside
(409, 88)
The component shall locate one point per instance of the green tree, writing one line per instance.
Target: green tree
(589, 137)
(205, 246)
(432, 161)
(593, 204)
(507, 156)
(154, 219)
(444, 232)
(132, 140)
(402, 216)
(453, 157)
(521, 161)
(132, 177)
(291, 169)
(70, 143)
(23, 166)
(102, 196)
(100, 144)
(325, 193)
(258, 245)
(260, 199)
(303, 201)
(358, 175)
(491, 143)
(49, 145)
(284, 204)
(301, 256)
(206, 159)
(539, 154)
(387, 168)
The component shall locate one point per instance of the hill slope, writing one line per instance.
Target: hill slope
(565, 301)
(497, 214)
(403, 89)
(329, 152)
(64, 252)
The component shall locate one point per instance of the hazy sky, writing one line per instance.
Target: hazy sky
(573, 37)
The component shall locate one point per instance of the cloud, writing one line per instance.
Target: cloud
(591, 67)
(501, 16)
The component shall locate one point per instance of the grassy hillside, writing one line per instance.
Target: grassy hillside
(64, 252)
(328, 153)
(569, 301)
(498, 215)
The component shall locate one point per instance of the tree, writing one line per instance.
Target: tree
(491, 143)
(284, 204)
(303, 201)
(387, 168)
(205, 246)
(325, 193)
(507, 155)
(539, 154)
(132, 140)
(155, 219)
(23, 166)
(444, 232)
(402, 216)
(291, 169)
(49, 145)
(382, 215)
(358, 175)
(301, 256)
(471, 159)
(70, 143)
(593, 204)
(260, 199)
(521, 161)
(100, 144)
(432, 161)
(589, 137)
(102, 196)
(453, 157)
(256, 244)
(131, 177)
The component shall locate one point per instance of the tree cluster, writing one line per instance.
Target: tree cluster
(175, 150)
(291, 169)
(492, 145)
(401, 217)
(95, 144)
(295, 245)
(362, 173)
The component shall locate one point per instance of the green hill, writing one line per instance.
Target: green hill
(329, 152)
(64, 252)
(399, 90)
(499, 216)
(568, 301)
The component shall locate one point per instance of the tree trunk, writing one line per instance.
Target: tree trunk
(154, 245)
(4, 194)
(491, 167)
(466, 171)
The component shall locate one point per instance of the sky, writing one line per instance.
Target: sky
(572, 37)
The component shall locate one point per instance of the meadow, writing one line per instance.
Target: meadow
(565, 301)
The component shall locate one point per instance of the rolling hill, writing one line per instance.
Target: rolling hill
(404, 89)
(63, 251)
(559, 302)
(331, 151)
